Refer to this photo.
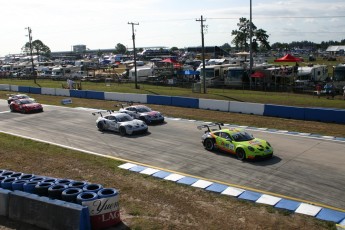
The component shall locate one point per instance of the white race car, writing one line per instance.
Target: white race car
(120, 122)
(143, 113)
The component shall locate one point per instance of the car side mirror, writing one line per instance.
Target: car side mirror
(228, 139)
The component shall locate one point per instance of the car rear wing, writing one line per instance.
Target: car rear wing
(102, 111)
(122, 105)
(208, 126)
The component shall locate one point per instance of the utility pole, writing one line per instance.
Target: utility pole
(250, 46)
(135, 54)
(201, 20)
(32, 59)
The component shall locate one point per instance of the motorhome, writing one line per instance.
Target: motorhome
(234, 76)
(339, 77)
(314, 73)
(215, 74)
(63, 72)
(142, 74)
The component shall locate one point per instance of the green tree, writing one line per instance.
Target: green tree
(38, 48)
(173, 49)
(242, 36)
(120, 48)
(226, 47)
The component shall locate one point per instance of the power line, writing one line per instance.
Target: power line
(277, 17)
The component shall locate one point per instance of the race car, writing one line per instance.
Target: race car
(13, 97)
(120, 122)
(143, 113)
(26, 105)
(235, 141)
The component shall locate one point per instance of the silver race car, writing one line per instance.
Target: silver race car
(142, 112)
(120, 122)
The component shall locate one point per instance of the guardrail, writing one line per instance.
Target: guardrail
(290, 112)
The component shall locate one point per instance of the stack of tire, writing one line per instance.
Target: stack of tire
(103, 203)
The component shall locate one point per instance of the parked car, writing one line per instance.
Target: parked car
(235, 141)
(25, 105)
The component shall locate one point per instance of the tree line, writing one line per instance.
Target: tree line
(241, 42)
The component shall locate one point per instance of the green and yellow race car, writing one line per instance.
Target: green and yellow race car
(235, 141)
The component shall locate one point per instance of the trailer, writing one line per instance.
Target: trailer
(142, 74)
(339, 77)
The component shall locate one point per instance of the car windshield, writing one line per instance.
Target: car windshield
(242, 136)
(23, 96)
(28, 101)
(143, 109)
(124, 117)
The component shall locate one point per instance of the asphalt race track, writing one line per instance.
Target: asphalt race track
(305, 168)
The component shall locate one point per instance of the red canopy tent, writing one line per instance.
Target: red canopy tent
(258, 75)
(289, 58)
(169, 60)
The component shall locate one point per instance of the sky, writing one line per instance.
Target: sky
(102, 24)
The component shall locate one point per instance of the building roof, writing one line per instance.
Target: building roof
(335, 48)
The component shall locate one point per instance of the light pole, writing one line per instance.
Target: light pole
(32, 59)
(135, 55)
(250, 45)
(203, 53)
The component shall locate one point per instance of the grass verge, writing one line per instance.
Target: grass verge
(145, 202)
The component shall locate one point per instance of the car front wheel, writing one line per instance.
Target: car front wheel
(209, 144)
(241, 155)
(122, 131)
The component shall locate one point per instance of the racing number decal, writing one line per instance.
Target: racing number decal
(230, 146)
(227, 145)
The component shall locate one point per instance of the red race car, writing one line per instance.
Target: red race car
(25, 106)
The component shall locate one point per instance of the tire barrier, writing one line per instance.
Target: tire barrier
(49, 180)
(63, 181)
(26, 176)
(7, 173)
(70, 194)
(86, 197)
(7, 183)
(41, 188)
(38, 178)
(77, 184)
(18, 185)
(29, 186)
(16, 175)
(1, 179)
(92, 188)
(24, 197)
(56, 190)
